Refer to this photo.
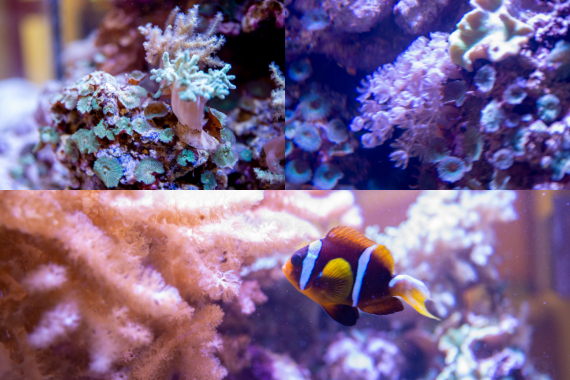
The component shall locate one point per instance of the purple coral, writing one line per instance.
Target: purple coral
(406, 94)
(357, 15)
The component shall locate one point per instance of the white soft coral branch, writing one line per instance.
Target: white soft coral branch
(54, 325)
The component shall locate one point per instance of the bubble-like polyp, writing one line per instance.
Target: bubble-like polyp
(298, 172)
(314, 107)
(300, 70)
(307, 138)
(327, 177)
(451, 169)
(337, 131)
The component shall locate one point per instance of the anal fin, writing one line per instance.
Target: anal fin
(343, 314)
(386, 306)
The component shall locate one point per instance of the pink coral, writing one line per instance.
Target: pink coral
(127, 282)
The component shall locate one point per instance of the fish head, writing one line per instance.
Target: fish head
(294, 266)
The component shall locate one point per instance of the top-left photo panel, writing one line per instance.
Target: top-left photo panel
(142, 94)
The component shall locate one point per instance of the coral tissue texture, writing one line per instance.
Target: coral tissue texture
(129, 285)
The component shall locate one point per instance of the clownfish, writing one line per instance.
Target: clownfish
(346, 271)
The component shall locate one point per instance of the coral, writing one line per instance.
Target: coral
(278, 95)
(189, 81)
(327, 176)
(447, 224)
(274, 154)
(437, 150)
(208, 178)
(314, 20)
(86, 141)
(179, 37)
(128, 284)
(406, 94)
(336, 131)
(313, 107)
(417, 16)
(109, 170)
(307, 138)
(357, 15)
(146, 168)
(363, 355)
(300, 70)
(269, 177)
(250, 295)
(514, 94)
(503, 159)
(45, 278)
(298, 172)
(485, 78)
(224, 157)
(186, 157)
(451, 169)
(548, 108)
(262, 11)
(119, 121)
(191, 89)
(461, 346)
(488, 32)
(55, 325)
(316, 128)
(492, 117)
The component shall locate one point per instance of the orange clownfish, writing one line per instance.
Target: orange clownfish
(346, 271)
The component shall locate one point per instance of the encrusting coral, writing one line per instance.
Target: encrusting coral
(488, 32)
(128, 284)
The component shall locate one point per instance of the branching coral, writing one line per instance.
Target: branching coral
(181, 37)
(125, 282)
(363, 356)
(454, 226)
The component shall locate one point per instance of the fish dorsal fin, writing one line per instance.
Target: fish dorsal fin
(336, 280)
(386, 306)
(349, 237)
(343, 314)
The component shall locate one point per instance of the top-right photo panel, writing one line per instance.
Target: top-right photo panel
(427, 94)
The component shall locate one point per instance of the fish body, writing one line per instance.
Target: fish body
(346, 271)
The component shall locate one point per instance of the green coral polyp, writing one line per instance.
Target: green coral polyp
(131, 98)
(224, 157)
(146, 168)
(166, 135)
(186, 157)
(102, 130)
(84, 104)
(109, 170)
(86, 141)
(209, 180)
(123, 124)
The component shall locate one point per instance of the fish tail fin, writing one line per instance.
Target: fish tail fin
(413, 291)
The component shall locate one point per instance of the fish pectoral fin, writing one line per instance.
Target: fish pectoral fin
(336, 280)
(386, 306)
(343, 314)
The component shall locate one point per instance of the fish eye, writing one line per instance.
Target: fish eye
(297, 259)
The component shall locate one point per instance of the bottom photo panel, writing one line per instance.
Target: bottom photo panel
(285, 285)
